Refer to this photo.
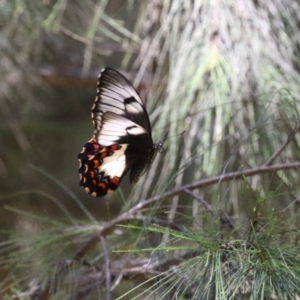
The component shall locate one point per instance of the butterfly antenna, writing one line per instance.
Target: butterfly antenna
(159, 145)
(182, 133)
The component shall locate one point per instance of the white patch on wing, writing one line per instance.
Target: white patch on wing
(117, 154)
(135, 130)
(114, 168)
(134, 108)
(108, 107)
(114, 100)
(115, 164)
(116, 92)
(113, 127)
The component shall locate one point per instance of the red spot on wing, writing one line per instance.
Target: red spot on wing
(96, 163)
(115, 180)
(102, 185)
(103, 154)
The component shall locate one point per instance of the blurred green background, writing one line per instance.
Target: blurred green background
(226, 73)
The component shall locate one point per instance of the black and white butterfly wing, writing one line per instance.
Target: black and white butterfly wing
(122, 137)
(116, 94)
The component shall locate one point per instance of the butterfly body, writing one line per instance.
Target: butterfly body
(122, 138)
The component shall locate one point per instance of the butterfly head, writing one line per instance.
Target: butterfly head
(159, 147)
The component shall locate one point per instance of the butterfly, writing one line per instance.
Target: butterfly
(122, 139)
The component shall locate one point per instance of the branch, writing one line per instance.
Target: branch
(200, 200)
(109, 226)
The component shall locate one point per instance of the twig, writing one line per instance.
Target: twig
(51, 286)
(109, 226)
(107, 267)
(117, 281)
(162, 222)
(124, 218)
(279, 151)
(200, 200)
(147, 268)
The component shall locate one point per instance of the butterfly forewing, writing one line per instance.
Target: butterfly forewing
(122, 137)
(116, 94)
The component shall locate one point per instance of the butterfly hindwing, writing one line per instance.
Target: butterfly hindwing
(101, 168)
